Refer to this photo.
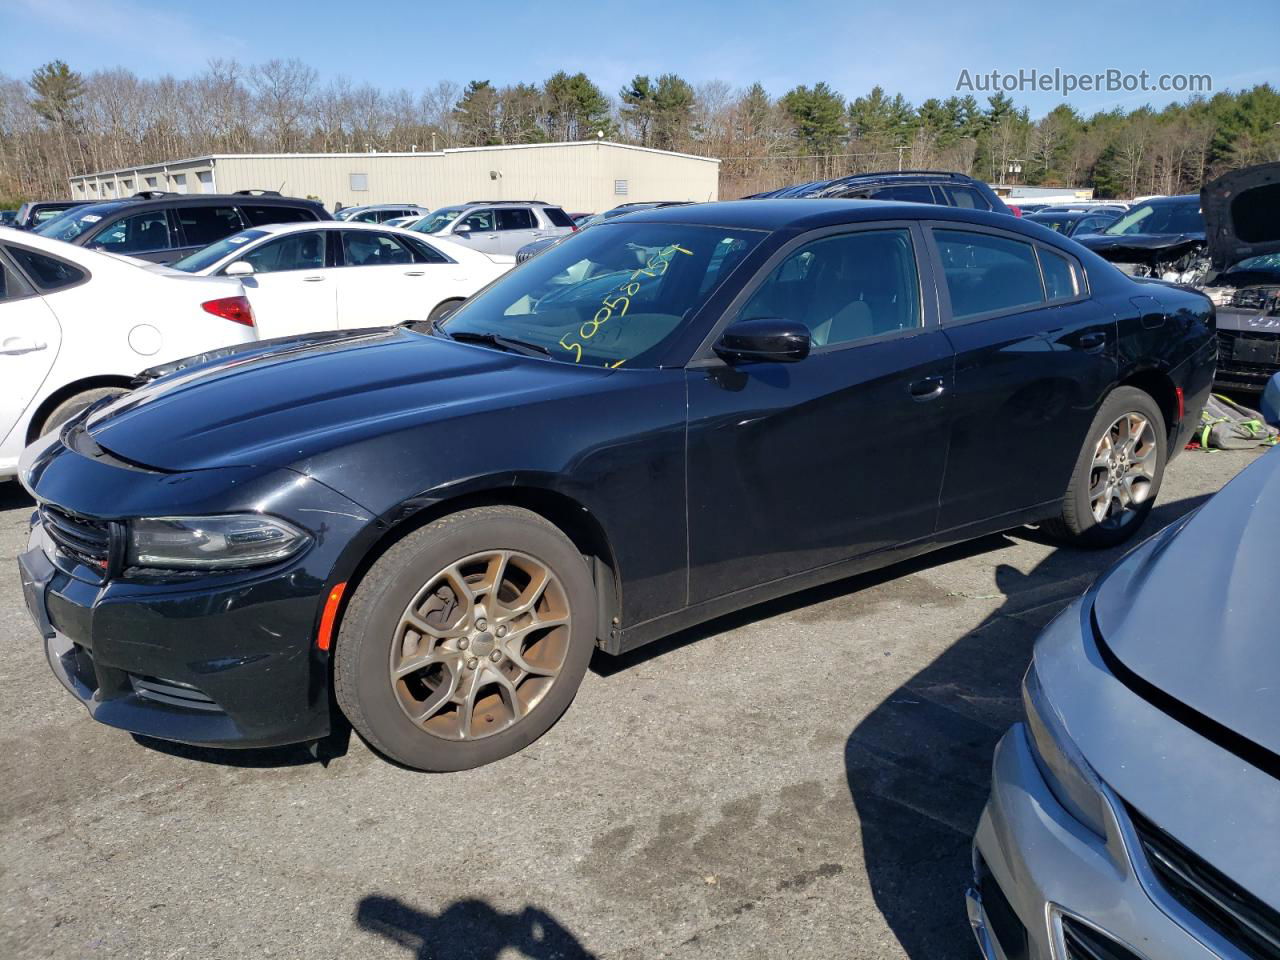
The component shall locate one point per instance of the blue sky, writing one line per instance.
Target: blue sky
(853, 46)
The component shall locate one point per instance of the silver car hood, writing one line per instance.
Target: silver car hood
(1195, 614)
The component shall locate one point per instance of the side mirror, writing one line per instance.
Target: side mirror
(771, 340)
(240, 268)
(461, 230)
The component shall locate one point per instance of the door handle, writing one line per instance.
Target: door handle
(1094, 340)
(415, 273)
(16, 345)
(312, 279)
(927, 389)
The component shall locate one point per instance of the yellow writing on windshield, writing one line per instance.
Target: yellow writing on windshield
(618, 300)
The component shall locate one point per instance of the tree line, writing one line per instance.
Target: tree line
(59, 122)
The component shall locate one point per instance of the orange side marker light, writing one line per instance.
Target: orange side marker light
(325, 637)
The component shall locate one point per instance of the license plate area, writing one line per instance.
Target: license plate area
(1253, 350)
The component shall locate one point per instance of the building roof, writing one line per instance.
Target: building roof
(209, 157)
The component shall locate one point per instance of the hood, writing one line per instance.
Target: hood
(1151, 249)
(1242, 214)
(276, 404)
(1193, 612)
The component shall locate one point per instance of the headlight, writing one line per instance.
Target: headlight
(1063, 767)
(227, 540)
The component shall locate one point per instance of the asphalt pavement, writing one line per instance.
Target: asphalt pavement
(799, 780)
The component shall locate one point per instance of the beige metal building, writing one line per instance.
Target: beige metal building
(587, 176)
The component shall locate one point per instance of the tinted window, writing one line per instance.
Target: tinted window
(70, 225)
(986, 273)
(364, 249)
(515, 218)
(911, 192)
(204, 225)
(136, 234)
(617, 294)
(557, 217)
(845, 288)
(49, 273)
(478, 220)
(12, 286)
(1061, 280)
(261, 214)
(966, 197)
(297, 251)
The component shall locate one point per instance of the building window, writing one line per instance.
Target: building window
(206, 180)
(359, 181)
(620, 188)
(153, 182)
(126, 184)
(180, 182)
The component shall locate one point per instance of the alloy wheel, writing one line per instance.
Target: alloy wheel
(480, 645)
(1123, 470)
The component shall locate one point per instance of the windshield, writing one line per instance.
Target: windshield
(615, 294)
(1262, 269)
(71, 224)
(437, 220)
(1182, 216)
(214, 252)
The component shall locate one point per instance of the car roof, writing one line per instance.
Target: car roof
(305, 225)
(810, 213)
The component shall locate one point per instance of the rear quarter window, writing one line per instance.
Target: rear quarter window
(557, 217)
(47, 273)
(261, 214)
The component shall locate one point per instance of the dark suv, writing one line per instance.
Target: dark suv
(164, 227)
(915, 186)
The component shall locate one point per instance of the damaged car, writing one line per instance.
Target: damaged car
(1224, 243)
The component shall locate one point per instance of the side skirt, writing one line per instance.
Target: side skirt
(629, 638)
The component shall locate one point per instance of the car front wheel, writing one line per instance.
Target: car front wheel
(467, 640)
(1118, 473)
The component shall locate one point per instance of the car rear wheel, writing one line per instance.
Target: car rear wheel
(69, 407)
(1118, 474)
(467, 640)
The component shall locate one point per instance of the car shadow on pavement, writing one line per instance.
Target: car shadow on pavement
(469, 930)
(919, 765)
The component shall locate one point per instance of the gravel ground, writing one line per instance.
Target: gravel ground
(800, 782)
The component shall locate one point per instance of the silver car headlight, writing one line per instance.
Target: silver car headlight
(1064, 768)
(210, 543)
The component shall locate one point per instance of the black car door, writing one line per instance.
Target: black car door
(793, 466)
(1034, 354)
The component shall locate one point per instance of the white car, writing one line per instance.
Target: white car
(302, 277)
(76, 325)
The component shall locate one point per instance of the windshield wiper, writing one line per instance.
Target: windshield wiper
(509, 344)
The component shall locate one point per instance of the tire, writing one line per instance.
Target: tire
(69, 407)
(417, 582)
(443, 310)
(1116, 421)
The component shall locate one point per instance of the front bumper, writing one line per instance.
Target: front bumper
(223, 659)
(1048, 870)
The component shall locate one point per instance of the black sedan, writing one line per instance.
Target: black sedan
(662, 419)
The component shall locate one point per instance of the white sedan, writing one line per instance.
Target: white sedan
(76, 325)
(302, 277)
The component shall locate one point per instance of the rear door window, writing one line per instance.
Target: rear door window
(203, 225)
(261, 214)
(987, 273)
(367, 249)
(515, 218)
(140, 233)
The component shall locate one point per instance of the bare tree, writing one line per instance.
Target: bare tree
(283, 90)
